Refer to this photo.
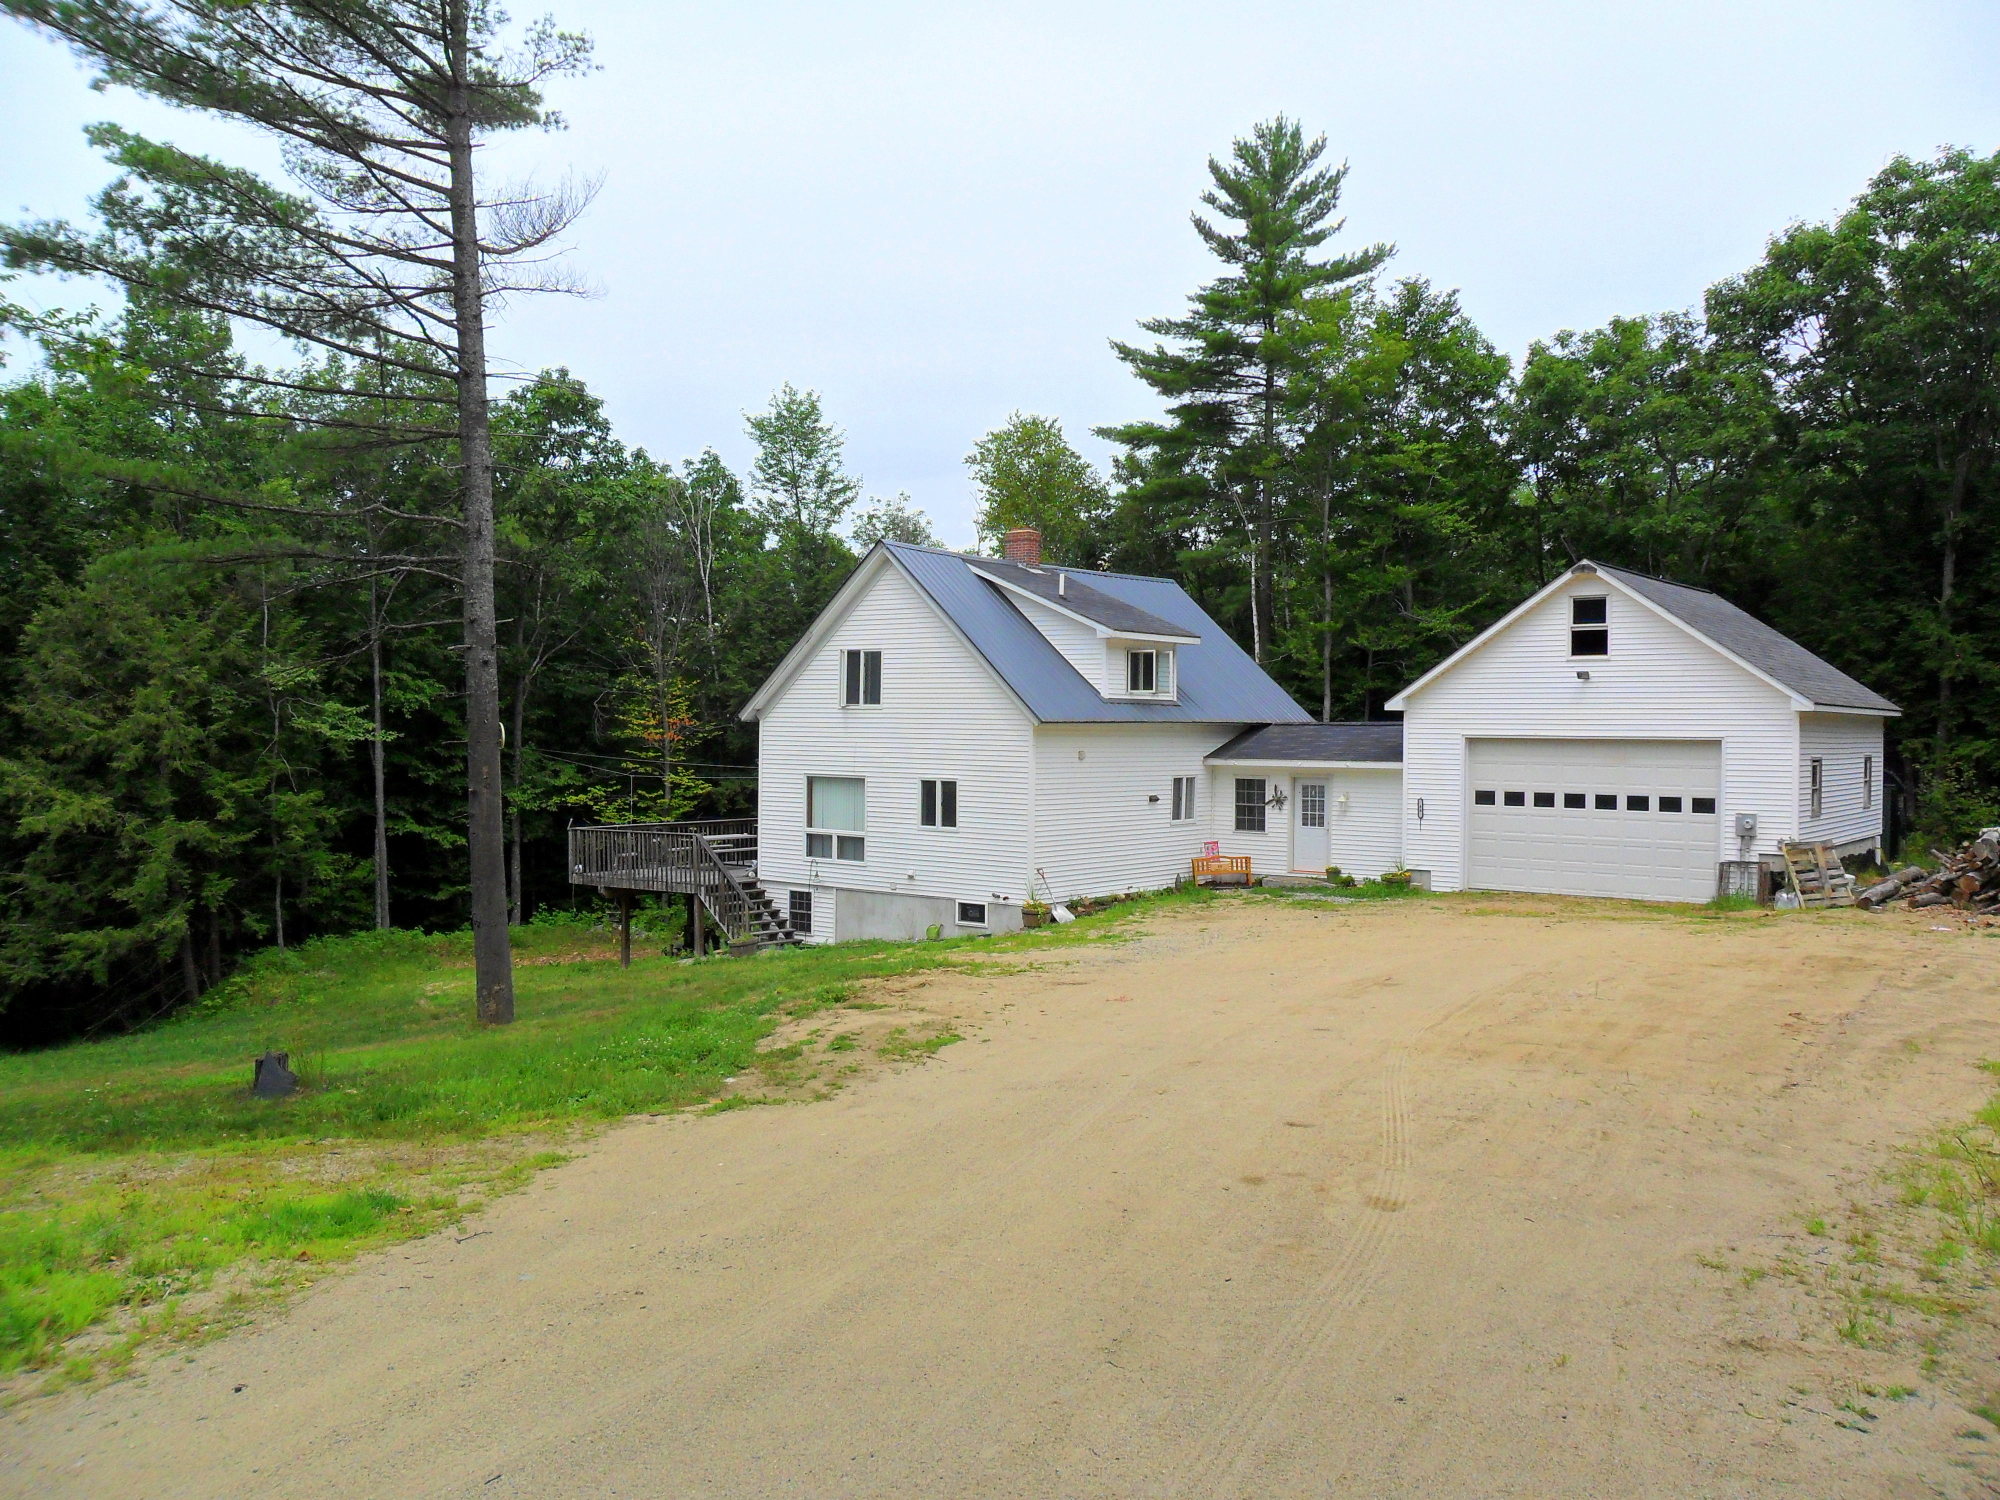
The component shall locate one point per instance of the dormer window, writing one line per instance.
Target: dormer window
(1149, 672)
(1589, 625)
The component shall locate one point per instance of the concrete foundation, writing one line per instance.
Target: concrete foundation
(903, 917)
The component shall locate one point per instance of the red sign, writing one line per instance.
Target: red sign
(1210, 849)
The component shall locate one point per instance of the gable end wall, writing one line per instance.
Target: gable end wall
(1659, 682)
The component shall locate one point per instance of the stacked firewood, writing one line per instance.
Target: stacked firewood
(1968, 877)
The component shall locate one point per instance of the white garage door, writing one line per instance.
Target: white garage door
(1595, 817)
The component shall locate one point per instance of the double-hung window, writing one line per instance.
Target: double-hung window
(937, 804)
(1249, 804)
(1817, 790)
(1867, 781)
(1183, 799)
(836, 818)
(1589, 625)
(860, 679)
(801, 913)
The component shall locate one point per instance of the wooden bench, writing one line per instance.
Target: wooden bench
(1222, 869)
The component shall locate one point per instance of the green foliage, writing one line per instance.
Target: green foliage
(894, 520)
(1027, 474)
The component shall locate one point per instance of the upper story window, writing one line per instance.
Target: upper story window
(860, 679)
(1589, 625)
(937, 804)
(836, 817)
(1149, 672)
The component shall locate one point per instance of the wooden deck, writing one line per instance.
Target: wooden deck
(664, 857)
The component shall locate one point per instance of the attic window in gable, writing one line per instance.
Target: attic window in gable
(861, 679)
(1589, 625)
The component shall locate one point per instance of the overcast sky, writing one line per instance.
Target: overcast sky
(937, 214)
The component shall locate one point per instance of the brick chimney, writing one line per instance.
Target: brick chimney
(1023, 544)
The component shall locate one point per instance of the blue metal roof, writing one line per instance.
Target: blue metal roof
(1219, 683)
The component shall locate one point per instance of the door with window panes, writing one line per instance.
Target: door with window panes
(1309, 833)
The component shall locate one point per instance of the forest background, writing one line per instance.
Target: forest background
(231, 669)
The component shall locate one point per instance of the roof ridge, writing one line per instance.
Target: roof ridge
(1672, 583)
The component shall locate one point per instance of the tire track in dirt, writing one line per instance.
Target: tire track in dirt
(1216, 1468)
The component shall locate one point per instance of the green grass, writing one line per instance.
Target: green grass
(144, 1192)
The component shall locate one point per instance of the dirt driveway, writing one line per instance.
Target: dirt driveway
(1370, 1201)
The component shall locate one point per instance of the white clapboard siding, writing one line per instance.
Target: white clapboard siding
(1080, 645)
(943, 715)
(1096, 831)
(1659, 682)
(1364, 833)
(1850, 811)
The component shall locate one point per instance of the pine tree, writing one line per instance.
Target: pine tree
(1224, 377)
(388, 257)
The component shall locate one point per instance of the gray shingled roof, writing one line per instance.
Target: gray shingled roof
(1745, 636)
(1219, 683)
(1067, 590)
(1317, 744)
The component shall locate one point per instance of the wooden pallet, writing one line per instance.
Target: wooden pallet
(1815, 875)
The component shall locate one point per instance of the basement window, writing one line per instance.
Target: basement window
(801, 915)
(1589, 631)
(972, 914)
(1249, 804)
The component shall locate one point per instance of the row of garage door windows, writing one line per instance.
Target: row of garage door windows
(1603, 802)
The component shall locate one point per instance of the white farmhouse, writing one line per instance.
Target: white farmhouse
(957, 735)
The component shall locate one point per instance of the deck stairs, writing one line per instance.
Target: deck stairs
(713, 860)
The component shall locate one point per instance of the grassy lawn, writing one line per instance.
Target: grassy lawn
(144, 1193)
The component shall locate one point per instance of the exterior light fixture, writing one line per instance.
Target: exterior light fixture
(1583, 677)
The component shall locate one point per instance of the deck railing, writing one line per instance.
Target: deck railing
(660, 856)
(711, 858)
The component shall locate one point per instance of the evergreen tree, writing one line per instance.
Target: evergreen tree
(1224, 378)
(388, 257)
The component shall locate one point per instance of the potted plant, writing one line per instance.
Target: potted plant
(1035, 914)
(1396, 877)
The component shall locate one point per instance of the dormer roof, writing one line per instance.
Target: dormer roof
(1075, 594)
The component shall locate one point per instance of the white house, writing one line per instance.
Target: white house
(956, 735)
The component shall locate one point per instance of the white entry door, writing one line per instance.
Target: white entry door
(1309, 844)
(1634, 818)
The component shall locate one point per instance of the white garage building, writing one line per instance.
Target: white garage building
(1617, 735)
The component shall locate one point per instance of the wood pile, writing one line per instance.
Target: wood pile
(1968, 878)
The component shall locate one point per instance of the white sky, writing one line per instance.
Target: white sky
(936, 214)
